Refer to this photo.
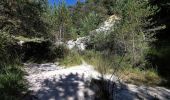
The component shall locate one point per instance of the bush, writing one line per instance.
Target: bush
(44, 51)
(102, 63)
(71, 59)
(107, 64)
(11, 85)
(139, 77)
(11, 74)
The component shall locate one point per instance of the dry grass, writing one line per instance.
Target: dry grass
(100, 63)
(71, 59)
(108, 65)
(134, 75)
(139, 77)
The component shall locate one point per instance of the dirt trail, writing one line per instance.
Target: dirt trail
(52, 82)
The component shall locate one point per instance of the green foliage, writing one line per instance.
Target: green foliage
(23, 17)
(100, 42)
(71, 59)
(7, 55)
(109, 5)
(139, 76)
(102, 63)
(129, 36)
(18, 17)
(11, 84)
(89, 14)
(159, 52)
(131, 28)
(11, 74)
(74, 21)
(59, 19)
(106, 64)
(89, 23)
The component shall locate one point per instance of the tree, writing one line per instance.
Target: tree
(129, 35)
(63, 20)
(59, 18)
(159, 55)
(90, 14)
(131, 30)
(109, 5)
(23, 17)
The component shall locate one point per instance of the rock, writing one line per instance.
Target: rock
(21, 42)
(71, 44)
(108, 24)
(59, 43)
(80, 43)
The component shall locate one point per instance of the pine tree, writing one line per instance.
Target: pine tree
(160, 51)
(23, 17)
(131, 32)
(59, 18)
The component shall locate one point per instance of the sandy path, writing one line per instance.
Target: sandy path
(52, 82)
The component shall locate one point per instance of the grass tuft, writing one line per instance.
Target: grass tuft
(139, 77)
(12, 83)
(108, 65)
(71, 59)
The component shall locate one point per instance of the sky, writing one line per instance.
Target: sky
(68, 2)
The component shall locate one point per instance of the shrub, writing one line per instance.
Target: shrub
(140, 76)
(11, 74)
(120, 67)
(102, 63)
(11, 84)
(71, 59)
(44, 51)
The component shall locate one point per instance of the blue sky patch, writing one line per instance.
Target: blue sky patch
(68, 2)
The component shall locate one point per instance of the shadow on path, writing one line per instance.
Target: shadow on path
(67, 87)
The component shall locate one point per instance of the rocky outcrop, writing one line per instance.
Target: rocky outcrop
(108, 24)
(81, 43)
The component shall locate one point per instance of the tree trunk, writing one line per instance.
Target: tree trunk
(60, 33)
(133, 47)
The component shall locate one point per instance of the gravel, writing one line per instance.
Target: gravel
(52, 82)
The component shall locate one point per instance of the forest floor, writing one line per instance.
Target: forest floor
(52, 82)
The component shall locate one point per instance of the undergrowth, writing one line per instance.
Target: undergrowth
(139, 76)
(106, 64)
(12, 83)
(71, 59)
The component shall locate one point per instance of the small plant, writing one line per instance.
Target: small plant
(11, 74)
(139, 76)
(11, 85)
(101, 63)
(71, 59)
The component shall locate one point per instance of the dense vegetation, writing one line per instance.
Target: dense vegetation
(136, 48)
(21, 17)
